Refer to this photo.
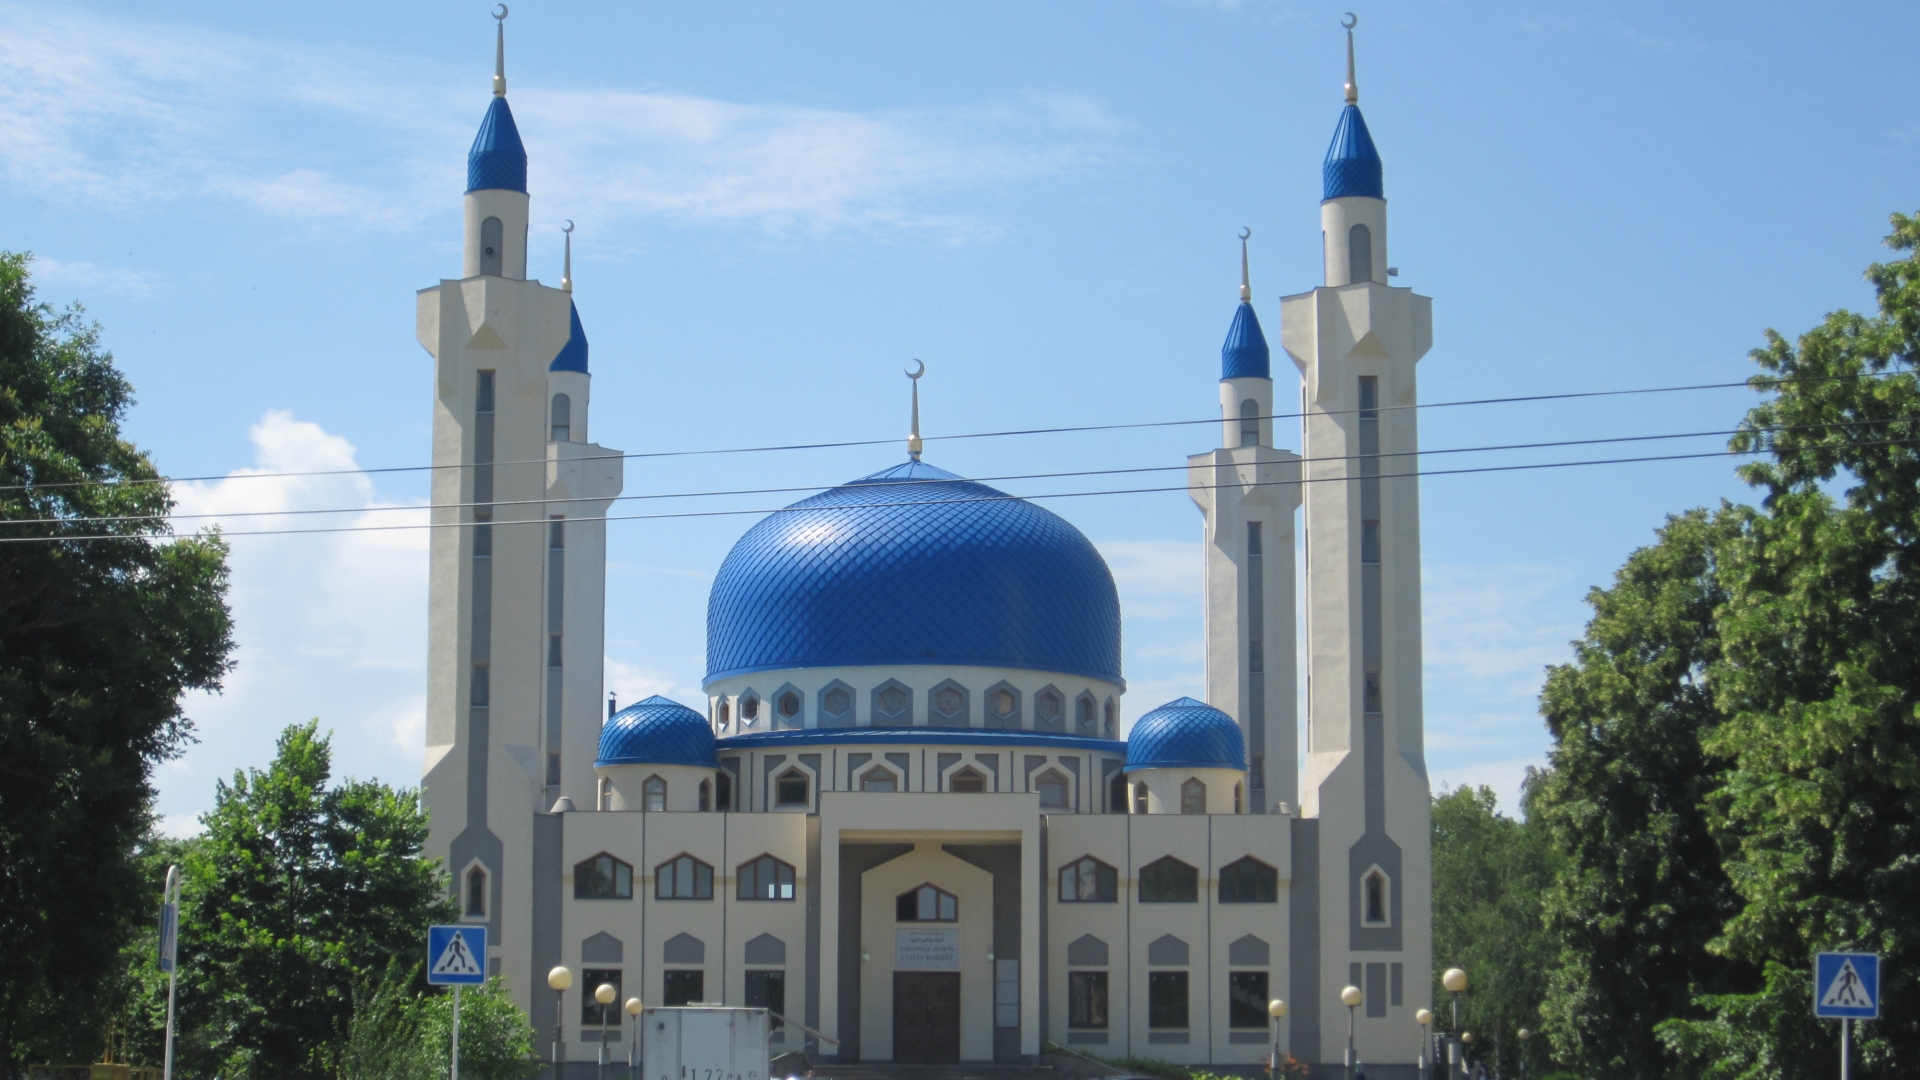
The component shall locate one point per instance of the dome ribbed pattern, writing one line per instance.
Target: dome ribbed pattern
(914, 565)
(573, 355)
(497, 161)
(1245, 354)
(657, 731)
(1353, 165)
(1186, 734)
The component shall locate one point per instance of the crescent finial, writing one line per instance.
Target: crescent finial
(568, 227)
(500, 12)
(922, 371)
(1350, 21)
(1245, 232)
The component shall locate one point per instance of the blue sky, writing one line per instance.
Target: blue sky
(780, 205)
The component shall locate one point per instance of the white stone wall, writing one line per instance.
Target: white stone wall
(921, 680)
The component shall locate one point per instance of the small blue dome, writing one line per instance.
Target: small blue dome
(657, 731)
(1353, 165)
(913, 565)
(497, 160)
(1245, 355)
(573, 355)
(1186, 734)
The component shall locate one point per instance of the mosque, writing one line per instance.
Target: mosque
(906, 817)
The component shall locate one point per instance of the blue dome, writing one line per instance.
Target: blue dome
(1186, 734)
(1353, 165)
(497, 160)
(573, 355)
(657, 731)
(1245, 355)
(914, 565)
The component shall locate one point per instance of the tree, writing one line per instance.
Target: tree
(397, 1034)
(99, 638)
(1489, 873)
(296, 894)
(1641, 890)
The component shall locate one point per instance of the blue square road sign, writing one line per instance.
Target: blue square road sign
(1846, 986)
(456, 955)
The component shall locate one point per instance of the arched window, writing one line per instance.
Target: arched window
(1112, 719)
(1140, 798)
(1053, 791)
(683, 878)
(562, 418)
(1169, 881)
(723, 790)
(653, 794)
(1117, 794)
(1359, 254)
(1085, 712)
(1193, 797)
(1089, 881)
(476, 906)
(749, 707)
(605, 801)
(1237, 792)
(791, 789)
(764, 878)
(1049, 710)
(602, 877)
(706, 796)
(878, 779)
(726, 713)
(1374, 899)
(926, 904)
(492, 247)
(1249, 423)
(968, 781)
(1249, 881)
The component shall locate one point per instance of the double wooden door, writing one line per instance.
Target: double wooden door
(926, 1017)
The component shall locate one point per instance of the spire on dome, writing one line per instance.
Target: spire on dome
(573, 355)
(1246, 285)
(1245, 354)
(566, 267)
(498, 160)
(913, 435)
(1353, 165)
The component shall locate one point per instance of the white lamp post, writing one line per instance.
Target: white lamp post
(1524, 1036)
(559, 979)
(604, 994)
(633, 1050)
(1276, 1009)
(1351, 997)
(1455, 980)
(1424, 1017)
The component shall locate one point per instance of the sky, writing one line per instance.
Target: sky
(780, 206)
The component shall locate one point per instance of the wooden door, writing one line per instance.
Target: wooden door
(926, 1017)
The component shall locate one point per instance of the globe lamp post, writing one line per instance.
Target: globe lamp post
(1455, 980)
(559, 979)
(1466, 1040)
(1351, 997)
(633, 1050)
(1524, 1036)
(604, 995)
(1277, 1010)
(1424, 1018)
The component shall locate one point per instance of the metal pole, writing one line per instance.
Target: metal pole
(170, 905)
(456, 1031)
(559, 1030)
(1349, 1042)
(1273, 1047)
(603, 1040)
(1846, 1045)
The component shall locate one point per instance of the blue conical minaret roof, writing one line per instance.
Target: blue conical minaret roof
(1353, 165)
(573, 355)
(1245, 354)
(497, 161)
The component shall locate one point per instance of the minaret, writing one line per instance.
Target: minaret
(1356, 341)
(1247, 492)
(517, 559)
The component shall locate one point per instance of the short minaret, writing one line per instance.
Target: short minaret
(1247, 492)
(517, 558)
(1356, 341)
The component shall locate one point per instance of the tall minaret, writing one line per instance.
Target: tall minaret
(1356, 341)
(517, 562)
(1248, 491)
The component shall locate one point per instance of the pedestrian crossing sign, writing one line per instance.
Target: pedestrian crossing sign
(1846, 986)
(456, 955)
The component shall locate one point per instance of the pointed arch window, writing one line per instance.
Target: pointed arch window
(764, 878)
(791, 789)
(1087, 880)
(1193, 797)
(476, 905)
(683, 878)
(786, 708)
(1249, 881)
(492, 254)
(1054, 791)
(562, 418)
(1084, 714)
(1376, 898)
(1140, 798)
(602, 877)
(749, 707)
(879, 779)
(1249, 423)
(1359, 254)
(1049, 710)
(1112, 725)
(1169, 881)
(653, 794)
(967, 781)
(706, 796)
(927, 903)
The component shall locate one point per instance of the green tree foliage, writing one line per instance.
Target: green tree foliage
(1489, 873)
(397, 1034)
(98, 641)
(297, 893)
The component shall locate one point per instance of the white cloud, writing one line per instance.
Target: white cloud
(94, 278)
(179, 826)
(1506, 778)
(328, 624)
(631, 682)
(123, 112)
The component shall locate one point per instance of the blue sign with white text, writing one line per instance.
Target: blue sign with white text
(456, 955)
(1846, 986)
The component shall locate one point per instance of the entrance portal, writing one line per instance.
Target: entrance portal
(926, 1017)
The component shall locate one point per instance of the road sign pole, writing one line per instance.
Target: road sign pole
(456, 1031)
(170, 953)
(1846, 1045)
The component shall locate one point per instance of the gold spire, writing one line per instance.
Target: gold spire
(1246, 284)
(913, 436)
(500, 50)
(1353, 87)
(566, 268)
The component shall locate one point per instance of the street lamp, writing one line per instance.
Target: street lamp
(633, 1050)
(1466, 1039)
(559, 979)
(604, 994)
(1455, 980)
(1276, 1009)
(1524, 1036)
(1351, 997)
(1423, 1017)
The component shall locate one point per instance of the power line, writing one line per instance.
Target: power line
(943, 502)
(1081, 429)
(308, 511)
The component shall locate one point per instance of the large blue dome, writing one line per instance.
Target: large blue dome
(914, 565)
(657, 731)
(1186, 734)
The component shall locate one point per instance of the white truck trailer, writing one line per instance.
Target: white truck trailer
(699, 1042)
